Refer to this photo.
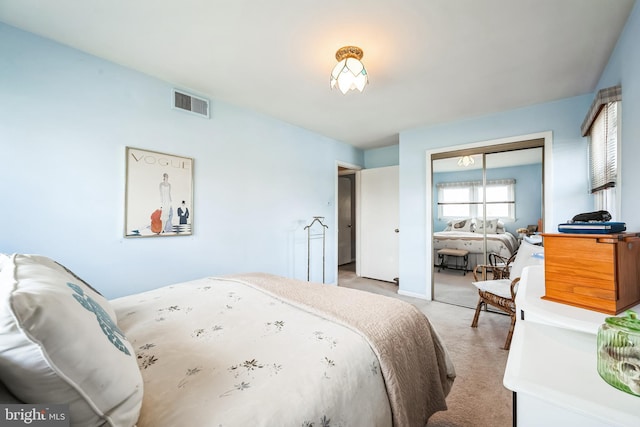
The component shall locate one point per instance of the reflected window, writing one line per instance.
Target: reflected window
(456, 201)
(465, 199)
(501, 200)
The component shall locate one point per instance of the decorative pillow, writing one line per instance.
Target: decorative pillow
(500, 227)
(527, 255)
(59, 343)
(465, 224)
(491, 225)
(6, 396)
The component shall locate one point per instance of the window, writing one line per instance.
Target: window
(465, 199)
(602, 128)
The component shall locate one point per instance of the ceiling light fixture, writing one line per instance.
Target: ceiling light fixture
(466, 161)
(349, 73)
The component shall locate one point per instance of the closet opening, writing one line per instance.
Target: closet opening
(482, 200)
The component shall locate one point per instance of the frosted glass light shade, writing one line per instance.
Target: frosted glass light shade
(349, 73)
(466, 161)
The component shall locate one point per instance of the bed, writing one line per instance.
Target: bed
(470, 237)
(252, 349)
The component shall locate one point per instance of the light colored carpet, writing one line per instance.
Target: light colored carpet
(478, 398)
(452, 287)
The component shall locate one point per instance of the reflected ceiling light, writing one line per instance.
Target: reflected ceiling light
(349, 73)
(466, 161)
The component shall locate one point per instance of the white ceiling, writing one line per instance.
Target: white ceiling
(429, 61)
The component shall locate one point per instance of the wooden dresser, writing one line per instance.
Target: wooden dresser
(598, 272)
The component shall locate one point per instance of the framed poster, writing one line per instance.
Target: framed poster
(158, 194)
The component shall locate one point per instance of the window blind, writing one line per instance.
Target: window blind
(603, 143)
(601, 124)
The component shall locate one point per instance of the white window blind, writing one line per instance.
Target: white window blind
(601, 125)
(603, 148)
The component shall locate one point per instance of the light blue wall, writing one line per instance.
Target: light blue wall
(65, 120)
(624, 68)
(569, 169)
(382, 157)
(528, 192)
(568, 190)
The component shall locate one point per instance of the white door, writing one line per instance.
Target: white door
(345, 223)
(379, 218)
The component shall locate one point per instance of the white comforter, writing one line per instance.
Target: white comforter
(216, 353)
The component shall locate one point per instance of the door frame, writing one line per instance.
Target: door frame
(346, 189)
(355, 170)
(547, 199)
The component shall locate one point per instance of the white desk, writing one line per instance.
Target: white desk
(552, 365)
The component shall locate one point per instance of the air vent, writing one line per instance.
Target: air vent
(191, 103)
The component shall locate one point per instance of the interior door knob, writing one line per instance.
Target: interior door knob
(397, 230)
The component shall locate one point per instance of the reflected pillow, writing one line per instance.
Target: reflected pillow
(491, 226)
(465, 224)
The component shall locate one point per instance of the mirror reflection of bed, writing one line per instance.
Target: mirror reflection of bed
(479, 203)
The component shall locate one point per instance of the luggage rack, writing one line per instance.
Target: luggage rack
(311, 236)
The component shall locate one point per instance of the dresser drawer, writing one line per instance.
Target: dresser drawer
(596, 272)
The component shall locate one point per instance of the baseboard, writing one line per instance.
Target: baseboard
(413, 295)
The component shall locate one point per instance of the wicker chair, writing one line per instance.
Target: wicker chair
(500, 290)
(499, 267)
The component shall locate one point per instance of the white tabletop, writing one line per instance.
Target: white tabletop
(558, 366)
(553, 357)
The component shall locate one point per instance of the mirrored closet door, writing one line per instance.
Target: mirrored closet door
(483, 199)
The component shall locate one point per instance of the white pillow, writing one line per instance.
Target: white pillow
(490, 224)
(6, 396)
(528, 254)
(59, 343)
(465, 224)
